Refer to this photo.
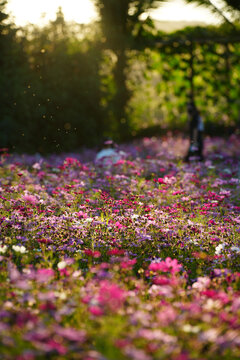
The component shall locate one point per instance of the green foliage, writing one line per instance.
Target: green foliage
(51, 89)
(122, 30)
(161, 82)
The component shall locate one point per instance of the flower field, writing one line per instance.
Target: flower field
(139, 260)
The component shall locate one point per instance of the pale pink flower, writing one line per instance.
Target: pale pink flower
(43, 275)
(111, 295)
(202, 283)
(31, 199)
(167, 315)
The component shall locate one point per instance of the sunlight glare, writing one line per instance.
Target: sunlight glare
(83, 11)
(39, 12)
(178, 10)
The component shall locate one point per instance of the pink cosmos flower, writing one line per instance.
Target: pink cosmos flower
(30, 199)
(25, 318)
(47, 306)
(115, 252)
(96, 310)
(70, 161)
(82, 215)
(41, 174)
(71, 334)
(161, 280)
(95, 254)
(159, 180)
(43, 275)
(235, 305)
(182, 356)
(52, 344)
(118, 225)
(167, 315)
(111, 295)
(128, 264)
(44, 241)
(177, 192)
(169, 265)
(26, 356)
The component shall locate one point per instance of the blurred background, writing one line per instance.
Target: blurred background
(73, 72)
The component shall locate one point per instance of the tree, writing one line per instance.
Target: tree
(6, 33)
(63, 96)
(50, 86)
(8, 59)
(122, 26)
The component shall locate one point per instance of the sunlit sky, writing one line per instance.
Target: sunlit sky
(82, 11)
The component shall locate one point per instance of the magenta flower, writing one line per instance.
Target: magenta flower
(44, 241)
(169, 265)
(95, 254)
(116, 252)
(69, 162)
(161, 280)
(111, 295)
(128, 264)
(52, 344)
(159, 180)
(96, 310)
(118, 225)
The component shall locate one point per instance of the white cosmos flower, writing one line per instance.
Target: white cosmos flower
(60, 295)
(21, 249)
(219, 248)
(3, 249)
(61, 265)
(190, 329)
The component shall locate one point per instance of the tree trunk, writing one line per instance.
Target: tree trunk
(122, 95)
(191, 72)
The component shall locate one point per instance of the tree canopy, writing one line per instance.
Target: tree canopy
(65, 85)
